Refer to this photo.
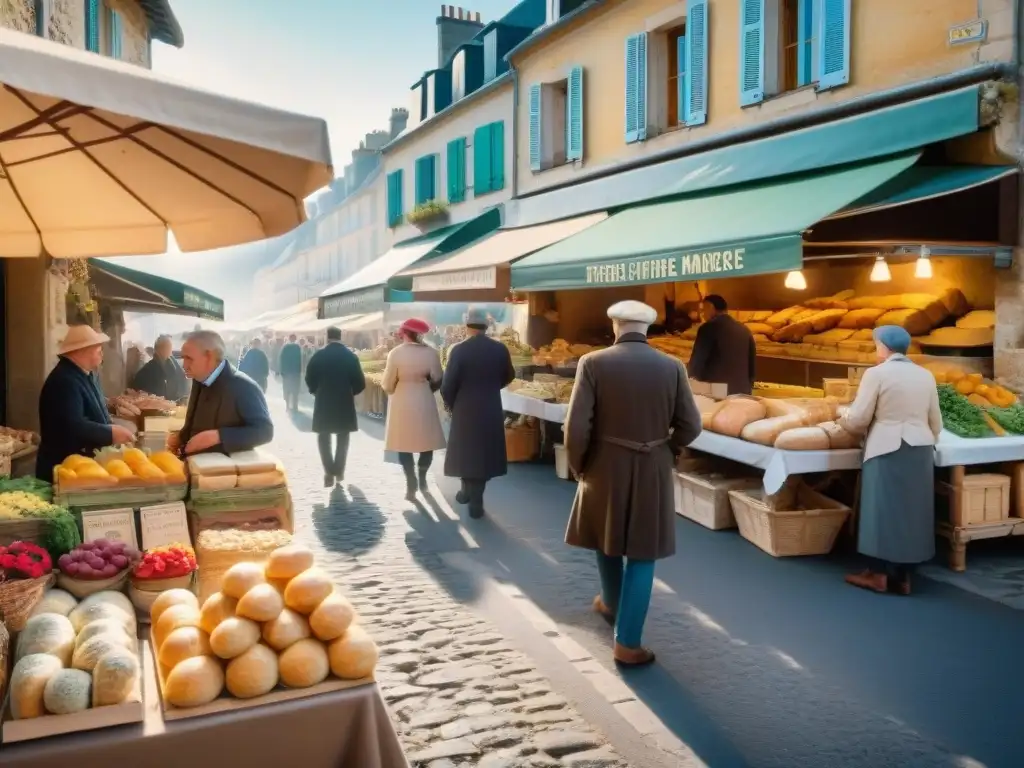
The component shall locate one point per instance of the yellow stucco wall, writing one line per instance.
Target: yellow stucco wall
(893, 42)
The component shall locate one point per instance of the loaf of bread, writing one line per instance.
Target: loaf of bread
(956, 302)
(783, 317)
(857, 319)
(765, 431)
(762, 328)
(735, 414)
(828, 302)
(979, 318)
(960, 337)
(793, 332)
(826, 319)
(913, 321)
(829, 338)
(803, 439)
(839, 438)
(886, 303)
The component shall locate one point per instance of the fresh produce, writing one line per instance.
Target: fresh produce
(23, 560)
(28, 484)
(960, 416)
(1011, 419)
(166, 562)
(21, 504)
(99, 559)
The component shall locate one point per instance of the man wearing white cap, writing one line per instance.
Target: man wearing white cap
(630, 415)
(73, 416)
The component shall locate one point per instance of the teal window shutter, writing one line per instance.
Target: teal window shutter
(430, 184)
(115, 33)
(682, 82)
(490, 55)
(498, 155)
(535, 124)
(805, 50)
(695, 60)
(751, 52)
(41, 18)
(636, 87)
(574, 115)
(457, 170)
(483, 178)
(395, 198)
(92, 25)
(834, 44)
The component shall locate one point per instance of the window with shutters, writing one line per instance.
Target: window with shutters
(671, 85)
(489, 158)
(675, 49)
(92, 25)
(455, 163)
(426, 179)
(557, 121)
(394, 190)
(113, 33)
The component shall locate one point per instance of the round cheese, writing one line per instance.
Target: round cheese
(261, 603)
(114, 677)
(28, 684)
(253, 673)
(55, 601)
(171, 598)
(307, 590)
(194, 682)
(184, 643)
(354, 655)
(174, 617)
(288, 628)
(240, 578)
(86, 613)
(234, 636)
(217, 607)
(88, 654)
(332, 617)
(47, 633)
(289, 561)
(67, 692)
(304, 664)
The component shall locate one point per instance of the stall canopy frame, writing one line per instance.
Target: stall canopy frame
(152, 293)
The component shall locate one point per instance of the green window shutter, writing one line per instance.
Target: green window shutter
(115, 33)
(426, 178)
(574, 115)
(457, 170)
(834, 44)
(535, 117)
(805, 51)
(636, 88)
(751, 52)
(497, 155)
(395, 211)
(483, 179)
(693, 59)
(92, 25)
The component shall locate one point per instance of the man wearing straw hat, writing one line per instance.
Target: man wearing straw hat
(73, 416)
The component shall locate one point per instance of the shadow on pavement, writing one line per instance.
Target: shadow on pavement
(349, 524)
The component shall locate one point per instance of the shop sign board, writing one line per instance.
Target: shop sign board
(163, 525)
(356, 303)
(972, 32)
(465, 280)
(208, 307)
(110, 524)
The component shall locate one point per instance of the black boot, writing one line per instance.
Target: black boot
(410, 483)
(423, 479)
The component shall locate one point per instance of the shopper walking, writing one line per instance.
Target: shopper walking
(478, 369)
(290, 368)
(897, 406)
(334, 378)
(412, 375)
(630, 414)
(255, 364)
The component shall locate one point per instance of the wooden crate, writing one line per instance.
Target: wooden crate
(809, 529)
(522, 443)
(966, 498)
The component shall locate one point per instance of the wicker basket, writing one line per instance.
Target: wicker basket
(704, 497)
(18, 597)
(31, 529)
(82, 588)
(522, 443)
(810, 529)
(215, 556)
(143, 599)
(5, 654)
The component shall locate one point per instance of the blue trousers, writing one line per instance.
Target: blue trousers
(626, 586)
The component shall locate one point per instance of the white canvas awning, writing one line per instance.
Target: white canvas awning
(100, 158)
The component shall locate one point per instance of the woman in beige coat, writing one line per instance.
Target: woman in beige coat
(411, 376)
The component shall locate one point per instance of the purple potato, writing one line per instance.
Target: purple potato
(109, 570)
(79, 555)
(100, 543)
(96, 562)
(119, 561)
(118, 546)
(72, 568)
(86, 571)
(64, 560)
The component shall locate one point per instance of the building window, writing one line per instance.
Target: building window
(675, 48)
(489, 158)
(796, 43)
(114, 32)
(395, 211)
(426, 179)
(556, 121)
(92, 25)
(456, 162)
(43, 18)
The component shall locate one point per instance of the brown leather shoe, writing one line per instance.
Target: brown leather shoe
(633, 657)
(876, 582)
(604, 611)
(902, 587)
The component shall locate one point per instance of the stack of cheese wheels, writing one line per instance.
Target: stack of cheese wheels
(279, 622)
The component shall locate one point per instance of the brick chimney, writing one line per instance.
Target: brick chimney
(455, 26)
(399, 121)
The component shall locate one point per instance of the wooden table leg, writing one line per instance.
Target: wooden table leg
(958, 556)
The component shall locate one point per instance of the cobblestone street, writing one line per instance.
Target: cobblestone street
(459, 692)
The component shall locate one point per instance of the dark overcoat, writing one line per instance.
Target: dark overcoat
(73, 417)
(624, 397)
(233, 404)
(724, 352)
(478, 369)
(163, 378)
(256, 366)
(334, 378)
(290, 360)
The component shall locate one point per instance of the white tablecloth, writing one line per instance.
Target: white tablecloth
(531, 406)
(953, 451)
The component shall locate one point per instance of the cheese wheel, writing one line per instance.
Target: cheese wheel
(240, 578)
(28, 683)
(261, 603)
(217, 607)
(55, 601)
(332, 617)
(254, 673)
(174, 617)
(194, 682)
(354, 655)
(234, 636)
(114, 677)
(88, 654)
(288, 628)
(184, 643)
(304, 664)
(289, 561)
(67, 692)
(86, 613)
(169, 598)
(47, 633)
(307, 590)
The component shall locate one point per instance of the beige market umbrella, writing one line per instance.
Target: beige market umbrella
(101, 158)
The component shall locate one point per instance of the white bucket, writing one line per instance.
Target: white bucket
(561, 461)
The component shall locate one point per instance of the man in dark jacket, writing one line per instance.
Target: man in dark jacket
(478, 369)
(255, 364)
(334, 378)
(162, 376)
(227, 412)
(724, 351)
(73, 416)
(290, 368)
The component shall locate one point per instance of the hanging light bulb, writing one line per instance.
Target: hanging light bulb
(795, 281)
(923, 267)
(880, 271)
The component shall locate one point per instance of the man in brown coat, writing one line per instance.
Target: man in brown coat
(630, 415)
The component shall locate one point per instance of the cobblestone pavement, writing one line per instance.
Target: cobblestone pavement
(459, 693)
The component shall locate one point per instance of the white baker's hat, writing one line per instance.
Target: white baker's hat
(633, 312)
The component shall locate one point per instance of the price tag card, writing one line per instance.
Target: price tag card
(164, 524)
(110, 524)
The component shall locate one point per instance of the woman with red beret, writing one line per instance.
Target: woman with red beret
(411, 377)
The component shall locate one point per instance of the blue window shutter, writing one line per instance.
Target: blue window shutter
(574, 115)
(41, 18)
(457, 170)
(641, 85)
(498, 155)
(92, 25)
(834, 44)
(395, 198)
(682, 80)
(805, 51)
(751, 52)
(425, 174)
(490, 55)
(431, 182)
(632, 125)
(115, 34)
(535, 125)
(483, 177)
(696, 59)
